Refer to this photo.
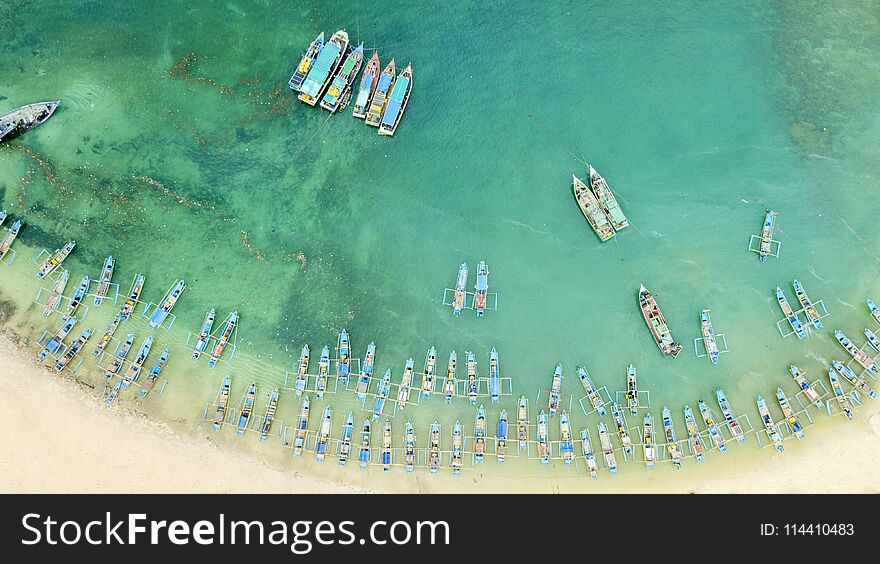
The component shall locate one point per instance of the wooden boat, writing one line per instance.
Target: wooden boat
(134, 293)
(791, 417)
(386, 455)
(151, 378)
(622, 431)
(339, 92)
(8, 239)
(873, 340)
(607, 201)
(382, 394)
(323, 438)
(592, 209)
(409, 447)
(376, 107)
(555, 388)
(73, 349)
(729, 416)
(54, 299)
(657, 323)
(545, 449)
(648, 438)
(712, 427)
(323, 371)
(221, 404)
(457, 444)
(473, 382)
(25, 118)
(3, 215)
(494, 376)
(672, 448)
(247, 408)
(522, 422)
(54, 343)
(343, 362)
(363, 385)
(450, 384)
(302, 372)
(872, 307)
(709, 337)
(767, 235)
(482, 288)
(695, 442)
(428, 374)
(302, 424)
(861, 356)
(434, 453)
(607, 449)
(119, 358)
(857, 382)
(54, 260)
(501, 437)
(397, 101)
(480, 435)
(105, 280)
(460, 295)
(367, 87)
(78, 296)
(271, 409)
(305, 64)
(810, 311)
(405, 387)
(632, 390)
(805, 386)
(345, 444)
(845, 404)
(204, 335)
(364, 454)
(790, 315)
(589, 457)
(162, 310)
(595, 399)
(323, 68)
(769, 425)
(228, 330)
(566, 444)
(136, 365)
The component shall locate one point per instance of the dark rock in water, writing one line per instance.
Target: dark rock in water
(7, 309)
(3, 98)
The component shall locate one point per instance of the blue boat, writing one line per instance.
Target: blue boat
(435, 454)
(343, 363)
(695, 441)
(382, 394)
(709, 336)
(151, 378)
(324, 430)
(595, 399)
(104, 280)
(247, 408)
(322, 69)
(363, 385)
(501, 437)
(790, 416)
(367, 87)
(54, 343)
(302, 424)
(376, 107)
(790, 315)
(364, 454)
(875, 311)
(119, 357)
(78, 296)
(482, 288)
(302, 372)
(767, 235)
(805, 386)
(589, 456)
(457, 448)
(449, 384)
(54, 260)
(649, 446)
(396, 102)
(809, 309)
(769, 425)
(714, 432)
(858, 383)
(409, 447)
(225, 335)
(134, 369)
(429, 373)
(386, 455)
(555, 387)
(566, 446)
(134, 294)
(323, 370)
(607, 449)
(494, 377)
(305, 64)
(339, 92)
(545, 449)
(845, 404)
(671, 443)
(162, 310)
(729, 417)
(473, 382)
(271, 409)
(622, 430)
(221, 404)
(345, 444)
(10, 236)
(204, 335)
(480, 435)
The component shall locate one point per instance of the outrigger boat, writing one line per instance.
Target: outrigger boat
(545, 450)
(555, 387)
(73, 349)
(729, 416)
(809, 309)
(709, 336)
(364, 454)
(54, 343)
(428, 374)
(271, 409)
(8, 239)
(396, 102)
(594, 397)
(671, 442)
(591, 209)
(405, 387)
(204, 335)
(767, 235)
(589, 457)
(151, 378)
(622, 432)
(456, 449)
(851, 377)
(323, 370)
(324, 434)
(473, 382)
(343, 363)
(386, 455)
(302, 424)
(607, 449)
(345, 444)
(805, 386)
(566, 446)
(460, 295)
(657, 323)
(54, 299)
(790, 417)
(875, 311)
(119, 357)
(480, 435)
(607, 201)
(522, 422)
(861, 356)
(845, 404)
(872, 339)
(136, 365)
(223, 340)
(769, 425)
(434, 454)
(25, 118)
(494, 376)
(54, 260)
(450, 384)
(104, 280)
(376, 107)
(790, 315)
(714, 432)
(482, 288)
(305, 64)
(247, 408)
(382, 395)
(221, 404)
(339, 93)
(3, 215)
(649, 446)
(367, 87)
(133, 294)
(632, 390)
(694, 441)
(302, 372)
(322, 69)
(363, 385)
(409, 447)
(78, 296)
(501, 437)
(162, 310)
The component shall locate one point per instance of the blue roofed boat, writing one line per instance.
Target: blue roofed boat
(323, 439)
(305, 64)
(501, 437)
(709, 336)
(376, 107)
(767, 235)
(544, 448)
(54, 343)
(345, 445)
(367, 87)
(221, 404)
(566, 445)
(872, 339)
(382, 394)
(162, 310)
(387, 454)
(154, 374)
(482, 288)
(339, 92)
(302, 432)
(494, 377)
(323, 68)
(204, 335)
(364, 455)
(343, 363)
(790, 315)
(397, 102)
(875, 311)
(247, 408)
(809, 309)
(363, 384)
(271, 410)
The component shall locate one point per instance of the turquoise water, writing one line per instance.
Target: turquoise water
(179, 149)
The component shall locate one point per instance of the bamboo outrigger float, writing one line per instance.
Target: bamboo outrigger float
(221, 404)
(672, 448)
(729, 416)
(522, 422)
(791, 418)
(105, 280)
(204, 335)
(343, 361)
(712, 427)
(364, 453)
(367, 87)
(622, 431)
(323, 371)
(382, 394)
(566, 446)
(473, 381)
(8, 239)
(450, 384)
(494, 376)
(859, 355)
(695, 442)
(595, 399)
(323, 439)
(657, 323)
(845, 404)
(589, 457)
(302, 372)
(805, 386)
(648, 439)
(632, 390)
(405, 387)
(136, 365)
(54, 343)
(271, 409)
(813, 316)
(409, 447)
(302, 424)
(228, 330)
(162, 310)
(460, 295)
(480, 435)
(54, 299)
(134, 293)
(435, 455)
(607, 201)
(790, 315)
(592, 209)
(73, 350)
(397, 101)
(54, 260)
(457, 447)
(119, 358)
(247, 408)
(858, 383)
(78, 295)
(501, 437)
(305, 64)
(376, 107)
(323, 68)
(339, 92)
(386, 454)
(555, 387)
(25, 118)
(428, 374)
(607, 449)
(345, 444)
(151, 378)
(363, 385)
(545, 449)
(769, 425)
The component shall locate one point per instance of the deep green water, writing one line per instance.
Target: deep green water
(179, 149)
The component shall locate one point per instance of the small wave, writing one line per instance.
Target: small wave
(849, 305)
(813, 272)
(657, 234)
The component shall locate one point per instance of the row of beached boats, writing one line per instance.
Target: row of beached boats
(599, 205)
(327, 72)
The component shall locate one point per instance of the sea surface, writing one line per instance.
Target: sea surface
(179, 149)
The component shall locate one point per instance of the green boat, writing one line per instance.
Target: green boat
(339, 92)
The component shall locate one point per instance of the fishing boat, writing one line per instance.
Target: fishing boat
(632, 390)
(305, 64)
(657, 323)
(648, 437)
(712, 427)
(409, 447)
(428, 374)
(810, 311)
(791, 418)
(25, 118)
(457, 444)
(709, 337)
(133, 294)
(73, 349)
(845, 404)
(545, 449)
(339, 92)
(861, 356)
(376, 107)
(386, 455)
(364, 454)
(54, 343)
(8, 239)
(480, 435)
(363, 385)
(695, 442)
(434, 453)
(607, 449)
(323, 438)
(104, 280)
(247, 408)
(494, 376)
(595, 399)
(872, 339)
(589, 457)
(566, 445)
(805, 386)
(382, 394)
(204, 335)
(54, 299)
(323, 370)
(592, 209)
(228, 330)
(302, 372)
(54, 260)
(672, 448)
(367, 87)
(396, 102)
(450, 384)
(302, 432)
(269, 418)
(78, 296)
(151, 378)
(875, 311)
(136, 365)
(790, 315)
(473, 382)
(323, 67)
(769, 425)
(343, 362)
(482, 288)
(522, 422)
(622, 431)
(555, 387)
(345, 444)
(403, 391)
(729, 416)
(501, 437)
(162, 310)
(3, 215)
(119, 358)
(221, 404)
(460, 295)
(767, 235)
(851, 377)
(607, 201)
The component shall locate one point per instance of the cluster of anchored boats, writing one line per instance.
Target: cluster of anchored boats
(327, 72)
(599, 206)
